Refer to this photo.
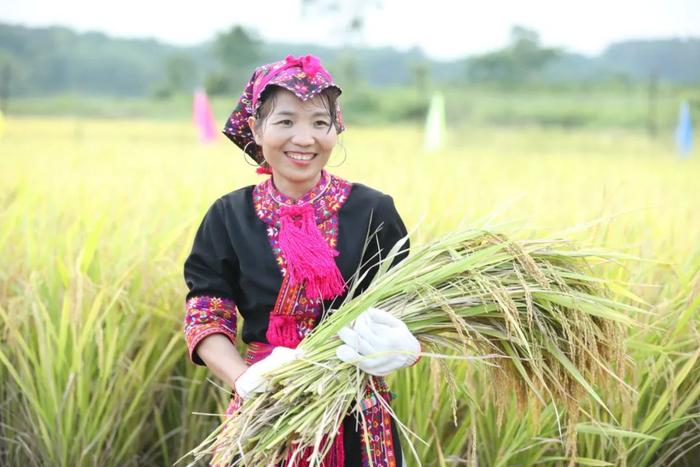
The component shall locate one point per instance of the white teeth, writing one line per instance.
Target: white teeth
(300, 157)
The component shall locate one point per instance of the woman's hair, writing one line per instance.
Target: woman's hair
(329, 98)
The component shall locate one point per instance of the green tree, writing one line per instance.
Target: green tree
(179, 73)
(420, 75)
(348, 69)
(237, 52)
(178, 70)
(517, 63)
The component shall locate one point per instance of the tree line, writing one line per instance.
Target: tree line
(56, 60)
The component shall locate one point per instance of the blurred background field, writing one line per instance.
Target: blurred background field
(98, 216)
(103, 181)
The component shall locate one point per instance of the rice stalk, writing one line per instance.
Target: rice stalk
(534, 307)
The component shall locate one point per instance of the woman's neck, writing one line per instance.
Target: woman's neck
(295, 190)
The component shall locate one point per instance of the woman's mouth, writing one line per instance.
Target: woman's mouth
(300, 156)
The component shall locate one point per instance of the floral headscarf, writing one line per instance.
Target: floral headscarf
(304, 76)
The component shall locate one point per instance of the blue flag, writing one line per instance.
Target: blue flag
(684, 131)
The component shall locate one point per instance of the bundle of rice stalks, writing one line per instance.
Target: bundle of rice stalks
(534, 306)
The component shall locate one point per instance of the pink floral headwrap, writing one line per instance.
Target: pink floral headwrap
(304, 76)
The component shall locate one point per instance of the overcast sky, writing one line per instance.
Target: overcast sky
(444, 29)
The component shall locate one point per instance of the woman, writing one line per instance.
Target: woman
(283, 251)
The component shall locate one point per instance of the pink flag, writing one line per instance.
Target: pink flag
(203, 116)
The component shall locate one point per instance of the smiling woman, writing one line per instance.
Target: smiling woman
(282, 252)
(296, 138)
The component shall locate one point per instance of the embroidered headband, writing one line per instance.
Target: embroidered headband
(304, 76)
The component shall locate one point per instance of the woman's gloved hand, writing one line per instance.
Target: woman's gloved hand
(378, 343)
(254, 378)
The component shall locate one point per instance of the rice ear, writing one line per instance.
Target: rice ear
(530, 310)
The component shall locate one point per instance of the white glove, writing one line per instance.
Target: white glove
(378, 343)
(254, 378)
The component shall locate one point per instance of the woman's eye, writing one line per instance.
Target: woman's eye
(321, 123)
(284, 122)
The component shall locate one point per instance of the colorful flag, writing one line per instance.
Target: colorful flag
(684, 131)
(203, 116)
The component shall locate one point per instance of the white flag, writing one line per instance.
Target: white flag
(435, 131)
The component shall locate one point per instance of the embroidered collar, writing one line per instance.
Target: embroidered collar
(326, 198)
(308, 198)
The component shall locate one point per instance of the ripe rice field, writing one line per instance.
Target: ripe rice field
(97, 216)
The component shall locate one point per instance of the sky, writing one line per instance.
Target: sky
(444, 29)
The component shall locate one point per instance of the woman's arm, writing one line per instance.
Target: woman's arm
(210, 318)
(222, 358)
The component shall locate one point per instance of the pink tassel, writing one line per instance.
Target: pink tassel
(282, 331)
(309, 258)
(263, 171)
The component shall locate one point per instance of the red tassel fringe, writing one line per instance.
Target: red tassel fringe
(309, 258)
(282, 331)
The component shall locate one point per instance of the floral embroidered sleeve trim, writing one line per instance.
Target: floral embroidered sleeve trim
(206, 316)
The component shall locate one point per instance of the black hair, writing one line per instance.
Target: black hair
(329, 98)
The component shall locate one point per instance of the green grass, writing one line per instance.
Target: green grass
(96, 217)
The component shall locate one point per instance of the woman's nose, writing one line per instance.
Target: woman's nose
(303, 137)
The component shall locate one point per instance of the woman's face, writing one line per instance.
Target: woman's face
(297, 138)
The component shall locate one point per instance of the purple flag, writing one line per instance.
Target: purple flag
(203, 116)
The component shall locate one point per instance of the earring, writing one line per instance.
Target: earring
(246, 154)
(245, 148)
(345, 156)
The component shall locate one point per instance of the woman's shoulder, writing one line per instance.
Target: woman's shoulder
(370, 200)
(367, 195)
(236, 197)
(234, 204)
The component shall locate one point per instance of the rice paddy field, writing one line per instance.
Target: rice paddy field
(97, 216)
